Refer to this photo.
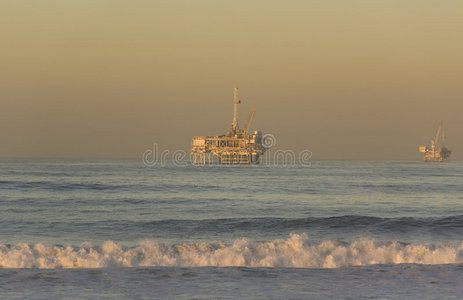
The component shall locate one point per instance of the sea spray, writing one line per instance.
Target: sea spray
(297, 251)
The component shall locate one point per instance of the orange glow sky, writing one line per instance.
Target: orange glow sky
(344, 79)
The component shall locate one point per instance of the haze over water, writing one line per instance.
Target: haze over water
(344, 79)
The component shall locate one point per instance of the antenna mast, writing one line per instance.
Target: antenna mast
(235, 108)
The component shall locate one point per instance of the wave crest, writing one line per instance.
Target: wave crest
(294, 252)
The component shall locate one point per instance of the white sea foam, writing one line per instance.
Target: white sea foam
(296, 251)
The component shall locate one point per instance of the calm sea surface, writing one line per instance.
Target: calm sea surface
(114, 229)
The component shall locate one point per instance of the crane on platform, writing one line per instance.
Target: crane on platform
(249, 121)
(435, 141)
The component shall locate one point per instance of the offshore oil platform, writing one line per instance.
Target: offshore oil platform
(237, 146)
(437, 152)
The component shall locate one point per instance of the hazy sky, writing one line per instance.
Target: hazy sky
(344, 79)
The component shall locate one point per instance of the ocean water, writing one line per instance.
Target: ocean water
(117, 229)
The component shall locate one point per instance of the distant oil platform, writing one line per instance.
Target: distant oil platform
(237, 146)
(437, 152)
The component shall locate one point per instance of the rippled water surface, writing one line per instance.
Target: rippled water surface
(108, 228)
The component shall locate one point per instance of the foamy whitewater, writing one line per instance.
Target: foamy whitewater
(294, 252)
(336, 229)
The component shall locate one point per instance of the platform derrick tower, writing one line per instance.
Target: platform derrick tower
(237, 146)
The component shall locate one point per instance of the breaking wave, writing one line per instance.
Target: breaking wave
(294, 252)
